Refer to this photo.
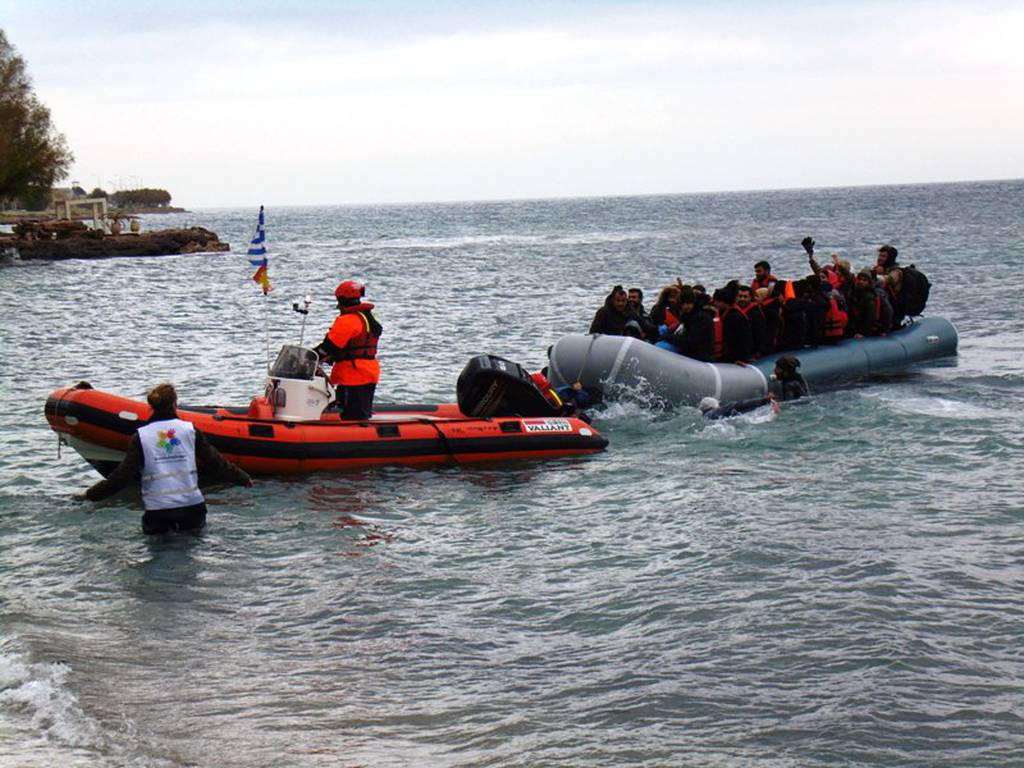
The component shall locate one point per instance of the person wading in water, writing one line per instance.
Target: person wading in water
(166, 456)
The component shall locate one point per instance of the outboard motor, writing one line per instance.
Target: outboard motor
(297, 389)
(492, 386)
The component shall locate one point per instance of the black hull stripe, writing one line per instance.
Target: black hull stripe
(401, 449)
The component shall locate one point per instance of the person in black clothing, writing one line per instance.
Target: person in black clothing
(755, 316)
(635, 307)
(864, 309)
(770, 305)
(793, 321)
(792, 384)
(695, 336)
(789, 385)
(170, 479)
(712, 410)
(613, 318)
(815, 308)
(737, 338)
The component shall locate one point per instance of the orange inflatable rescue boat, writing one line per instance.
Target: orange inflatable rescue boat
(501, 415)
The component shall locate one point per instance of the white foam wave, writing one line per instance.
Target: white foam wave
(624, 410)
(44, 724)
(470, 241)
(39, 692)
(937, 407)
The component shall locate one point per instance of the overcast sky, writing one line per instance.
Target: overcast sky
(238, 104)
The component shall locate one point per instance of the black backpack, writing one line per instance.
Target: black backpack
(914, 293)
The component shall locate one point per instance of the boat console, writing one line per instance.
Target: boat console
(297, 387)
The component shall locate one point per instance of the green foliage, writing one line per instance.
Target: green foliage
(141, 198)
(97, 192)
(33, 155)
(35, 198)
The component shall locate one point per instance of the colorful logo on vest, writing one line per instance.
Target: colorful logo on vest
(167, 441)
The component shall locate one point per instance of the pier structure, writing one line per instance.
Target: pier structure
(98, 205)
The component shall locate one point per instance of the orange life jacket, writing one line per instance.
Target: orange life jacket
(835, 321)
(672, 320)
(355, 333)
(763, 283)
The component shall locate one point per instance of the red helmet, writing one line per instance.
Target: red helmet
(350, 289)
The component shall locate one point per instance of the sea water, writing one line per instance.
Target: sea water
(840, 585)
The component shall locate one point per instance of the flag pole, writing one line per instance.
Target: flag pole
(266, 325)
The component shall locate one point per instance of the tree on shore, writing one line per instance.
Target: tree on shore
(33, 155)
(141, 198)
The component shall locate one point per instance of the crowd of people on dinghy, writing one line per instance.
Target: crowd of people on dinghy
(744, 321)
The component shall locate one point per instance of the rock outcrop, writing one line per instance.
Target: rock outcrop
(41, 242)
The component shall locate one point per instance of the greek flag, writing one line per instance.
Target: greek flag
(258, 255)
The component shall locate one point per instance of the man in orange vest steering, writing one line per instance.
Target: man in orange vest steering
(351, 347)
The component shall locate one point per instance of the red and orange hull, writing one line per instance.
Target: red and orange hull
(100, 425)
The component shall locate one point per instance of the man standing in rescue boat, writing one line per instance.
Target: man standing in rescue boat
(351, 347)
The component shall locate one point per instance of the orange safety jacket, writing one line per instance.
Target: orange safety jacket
(764, 283)
(355, 333)
(835, 321)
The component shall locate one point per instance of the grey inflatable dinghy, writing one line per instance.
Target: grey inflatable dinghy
(609, 363)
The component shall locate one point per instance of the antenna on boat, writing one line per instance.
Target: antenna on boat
(304, 311)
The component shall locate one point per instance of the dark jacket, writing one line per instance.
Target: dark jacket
(647, 326)
(608, 320)
(793, 325)
(735, 408)
(758, 329)
(816, 306)
(770, 310)
(864, 313)
(794, 388)
(737, 337)
(886, 313)
(696, 335)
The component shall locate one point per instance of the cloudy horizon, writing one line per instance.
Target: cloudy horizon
(228, 105)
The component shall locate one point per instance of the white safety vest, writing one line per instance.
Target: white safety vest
(169, 475)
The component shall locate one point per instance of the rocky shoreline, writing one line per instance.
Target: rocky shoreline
(94, 244)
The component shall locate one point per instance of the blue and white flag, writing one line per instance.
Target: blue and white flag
(258, 244)
(258, 255)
